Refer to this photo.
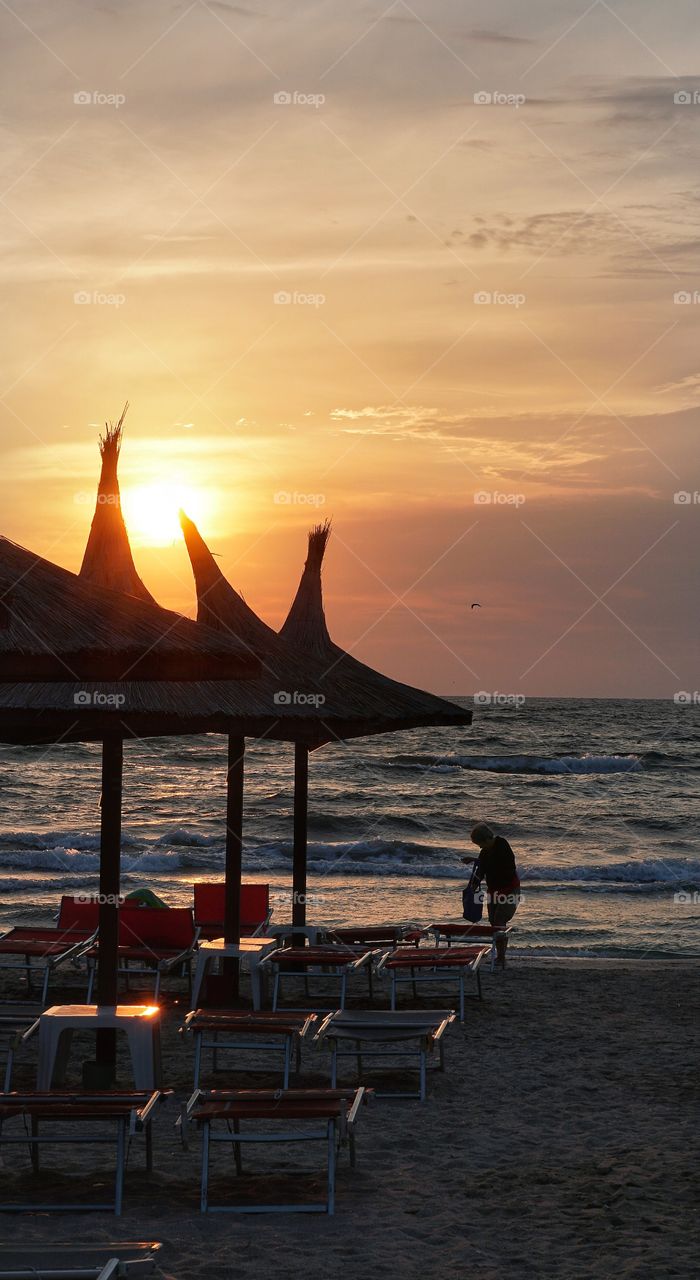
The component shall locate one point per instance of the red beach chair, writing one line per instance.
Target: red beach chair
(262, 1031)
(44, 950)
(128, 1112)
(153, 941)
(331, 1114)
(449, 932)
(327, 961)
(433, 964)
(209, 905)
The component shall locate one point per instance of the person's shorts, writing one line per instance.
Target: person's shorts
(502, 906)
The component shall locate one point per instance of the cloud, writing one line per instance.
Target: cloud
(475, 35)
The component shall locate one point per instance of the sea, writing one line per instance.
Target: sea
(600, 800)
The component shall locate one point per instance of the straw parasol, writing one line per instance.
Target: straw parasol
(75, 660)
(355, 700)
(108, 560)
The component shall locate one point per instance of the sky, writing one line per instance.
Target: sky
(428, 269)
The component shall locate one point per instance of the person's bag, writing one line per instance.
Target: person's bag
(473, 898)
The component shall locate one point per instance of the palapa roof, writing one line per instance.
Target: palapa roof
(108, 561)
(386, 702)
(355, 699)
(69, 649)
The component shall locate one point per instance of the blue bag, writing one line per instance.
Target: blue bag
(473, 897)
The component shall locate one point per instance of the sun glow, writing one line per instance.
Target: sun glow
(151, 511)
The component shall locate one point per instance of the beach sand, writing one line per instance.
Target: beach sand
(560, 1142)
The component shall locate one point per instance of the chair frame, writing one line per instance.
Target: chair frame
(334, 1129)
(131, 1112)
(334, 1031)
(443, 970)
(260, 1026)
(336, 962)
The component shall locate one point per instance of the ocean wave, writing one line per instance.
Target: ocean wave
(521, 764)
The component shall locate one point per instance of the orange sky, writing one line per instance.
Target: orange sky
(288, 292)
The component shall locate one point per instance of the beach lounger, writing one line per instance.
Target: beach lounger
(331, 1115)
(123, 1113)
(153, 941)
(43, 950)
(364, 1030)
(226, 1029)
(319, 962)
(78, 1261)
(18, 1023)
(376, 937)
(433, 964)
(452, 933)
(209, 909)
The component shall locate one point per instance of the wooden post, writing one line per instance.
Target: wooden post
(110, 858)
(234, 853)
(301, 809)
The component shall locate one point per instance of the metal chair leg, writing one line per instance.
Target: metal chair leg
(204, 1195)
(119, 1178)
(331, 1167)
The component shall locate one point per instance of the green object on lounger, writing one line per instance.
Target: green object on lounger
(146, 898)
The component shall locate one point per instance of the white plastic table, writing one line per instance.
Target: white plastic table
(139, 1022)
(250, 950)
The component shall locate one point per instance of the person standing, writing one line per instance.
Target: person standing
(496, 865)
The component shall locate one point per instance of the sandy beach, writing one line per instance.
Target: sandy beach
(559, 1143)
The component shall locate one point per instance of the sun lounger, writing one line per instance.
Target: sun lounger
(153, 941)
(78, 1261)
(43, 950)
(238, 1029)
(18, 1024)
(330, 1114)
(367, 1029)
(462, 931)
(124, 1113)
(325, 961)
(433, 964)
(209, 909)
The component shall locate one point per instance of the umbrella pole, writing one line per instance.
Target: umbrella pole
(234, 855)
(301, 810)
(110, 853)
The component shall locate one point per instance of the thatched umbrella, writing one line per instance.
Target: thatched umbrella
(385, 704)
(356, 700)
(108, 561)
(75, 660)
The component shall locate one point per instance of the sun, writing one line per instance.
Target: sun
(151, 511)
